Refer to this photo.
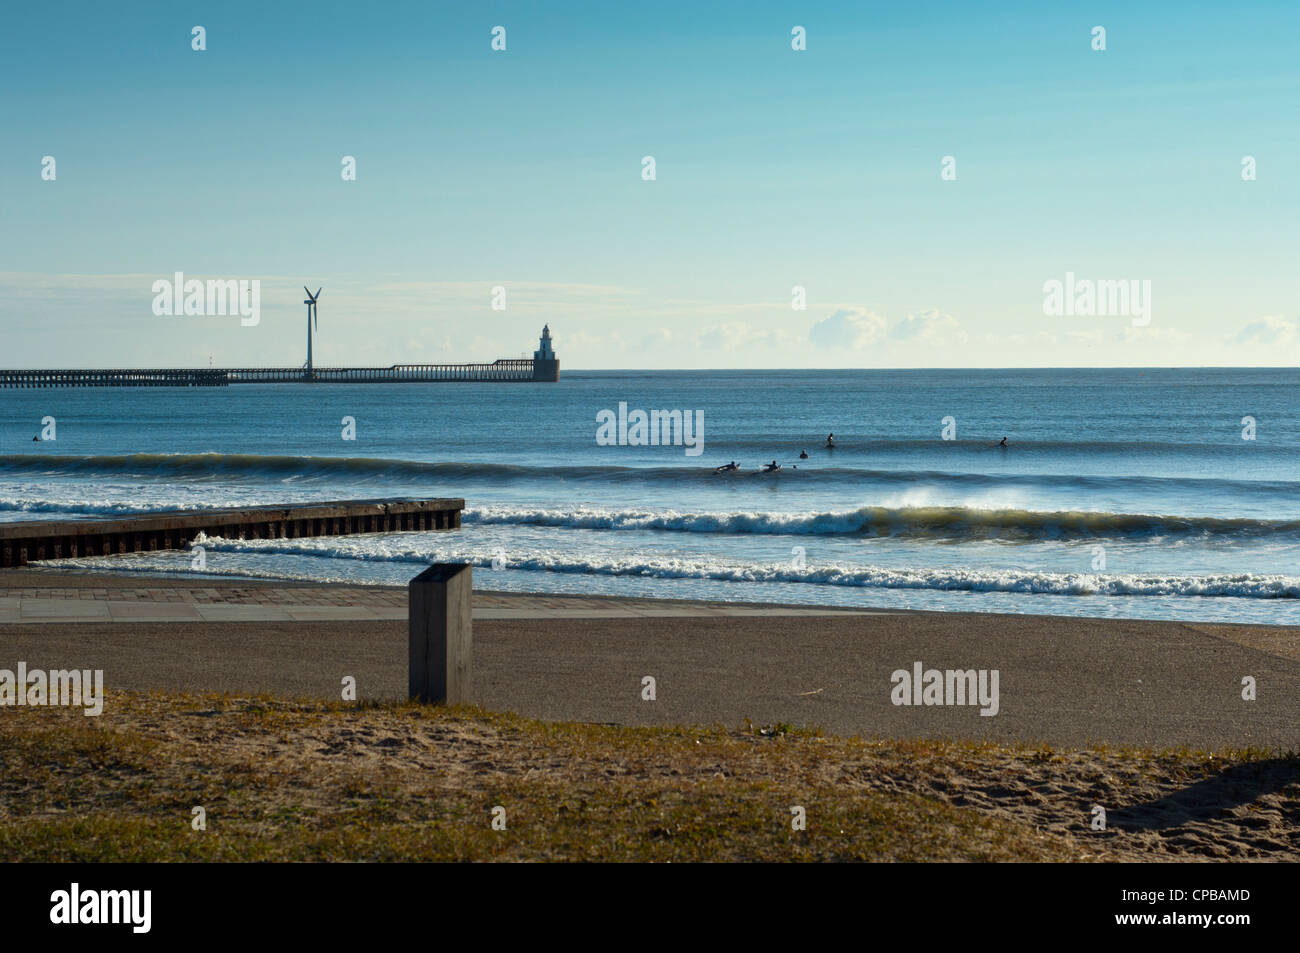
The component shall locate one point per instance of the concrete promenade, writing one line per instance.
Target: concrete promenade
(232, 602)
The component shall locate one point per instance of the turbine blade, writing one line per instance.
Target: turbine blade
(306, 289)
(317, 294)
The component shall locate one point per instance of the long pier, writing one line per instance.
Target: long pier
(516, 369)
(25, 542)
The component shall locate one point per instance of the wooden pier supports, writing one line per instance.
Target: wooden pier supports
(24, 542)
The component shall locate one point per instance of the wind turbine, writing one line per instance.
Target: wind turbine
(312, 318)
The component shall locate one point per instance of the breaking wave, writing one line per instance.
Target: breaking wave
(285, 468)
(395, 550)
(956, 523)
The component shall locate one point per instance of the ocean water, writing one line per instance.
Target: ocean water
(1125, 493)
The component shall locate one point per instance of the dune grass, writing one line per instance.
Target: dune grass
(311, 781)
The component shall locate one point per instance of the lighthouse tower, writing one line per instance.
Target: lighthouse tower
(546, 366)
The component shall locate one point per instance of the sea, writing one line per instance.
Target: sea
(1143, 493)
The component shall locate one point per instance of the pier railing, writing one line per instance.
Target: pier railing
(503, 370)
(115, 377)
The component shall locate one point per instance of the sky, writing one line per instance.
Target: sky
(775, 169)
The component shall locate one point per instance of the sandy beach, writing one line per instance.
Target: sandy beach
(1144, 718)
(1061, 681)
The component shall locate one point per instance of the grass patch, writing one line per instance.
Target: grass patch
(286, 781)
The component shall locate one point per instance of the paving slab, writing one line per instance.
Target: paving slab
(63, 609)
(238, 613)
(154, 611)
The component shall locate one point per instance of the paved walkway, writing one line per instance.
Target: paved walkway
(269, 603)
(1062, 681)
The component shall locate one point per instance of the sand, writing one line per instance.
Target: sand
(1073, 695)
(1062, 681)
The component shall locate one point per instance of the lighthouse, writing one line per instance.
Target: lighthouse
(546, 366)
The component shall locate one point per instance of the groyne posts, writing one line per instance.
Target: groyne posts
(32, 541)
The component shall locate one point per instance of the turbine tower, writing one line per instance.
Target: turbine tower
(312, 318)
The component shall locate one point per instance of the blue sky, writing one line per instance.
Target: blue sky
(775, 168)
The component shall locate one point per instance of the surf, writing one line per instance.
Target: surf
(279, 467)
(395, 549)
(951, 523)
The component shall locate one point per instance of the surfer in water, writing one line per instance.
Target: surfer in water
(830, 441)
(727, 467)
(1003, 443)
(771, 467)
(803, 454)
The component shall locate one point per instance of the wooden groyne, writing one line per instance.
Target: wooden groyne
(25, 542)
(513, 369)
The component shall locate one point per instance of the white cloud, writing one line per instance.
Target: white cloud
(659, 337)
(858, 328)
(1270, 329)
(931, 326)
(729, 336)
(737, 335)
(848, 329)
(70, 320)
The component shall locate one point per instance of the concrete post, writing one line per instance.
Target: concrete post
(441, 638)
